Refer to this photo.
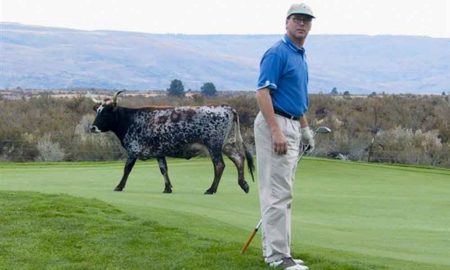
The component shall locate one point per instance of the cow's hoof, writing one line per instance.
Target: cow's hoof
(244, 186)
(167, 191)
(209, 192)
(118, 189)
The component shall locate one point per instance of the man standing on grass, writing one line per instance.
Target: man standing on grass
(282, 97)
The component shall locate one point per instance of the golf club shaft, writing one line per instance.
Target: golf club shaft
(250, 238)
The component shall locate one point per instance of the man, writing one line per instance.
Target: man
(282, 97)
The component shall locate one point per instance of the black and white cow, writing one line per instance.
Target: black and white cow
(181, 132)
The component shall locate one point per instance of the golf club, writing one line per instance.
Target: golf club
(303, 149)
(250, 238)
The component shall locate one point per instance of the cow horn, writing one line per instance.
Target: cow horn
(89, 95)
(116, 95)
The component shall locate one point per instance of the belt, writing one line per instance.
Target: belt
(286, 115)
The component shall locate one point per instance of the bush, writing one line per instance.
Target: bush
(49, 150)
(402, 145)
(406, 129)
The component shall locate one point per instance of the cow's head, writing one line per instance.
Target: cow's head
(106, 116)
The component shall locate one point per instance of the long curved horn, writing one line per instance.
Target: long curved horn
(116, 95)
(89, 95)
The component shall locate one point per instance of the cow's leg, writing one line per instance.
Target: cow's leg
(219, 166)
(238, 159)
(164, 171)
(126, 171)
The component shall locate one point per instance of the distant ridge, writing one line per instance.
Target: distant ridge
(50, 58)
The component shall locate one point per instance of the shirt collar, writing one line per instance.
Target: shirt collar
(291, 45)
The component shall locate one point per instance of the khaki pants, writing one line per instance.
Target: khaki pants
(276, 176)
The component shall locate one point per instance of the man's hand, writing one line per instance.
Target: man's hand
(279, 142)
(308, 138)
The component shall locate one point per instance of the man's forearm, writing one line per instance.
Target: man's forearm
(266, 107)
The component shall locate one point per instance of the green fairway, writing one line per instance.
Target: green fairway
(346, 215)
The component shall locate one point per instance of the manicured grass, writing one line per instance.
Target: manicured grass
(346, 215)
(62, 232)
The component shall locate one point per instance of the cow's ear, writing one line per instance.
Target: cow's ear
(96, 107)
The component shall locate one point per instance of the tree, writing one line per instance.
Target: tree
(208, 89)
(346, 94)
(334, 91)
(176, 88)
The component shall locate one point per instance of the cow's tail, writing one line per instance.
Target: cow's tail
(240, 141)
(250, 163)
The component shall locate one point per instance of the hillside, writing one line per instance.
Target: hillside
(43, 57)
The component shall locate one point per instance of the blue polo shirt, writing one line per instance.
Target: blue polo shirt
(283, 69)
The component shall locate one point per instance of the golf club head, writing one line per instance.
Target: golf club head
(323, 130)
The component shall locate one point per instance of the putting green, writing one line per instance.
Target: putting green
(384, 217)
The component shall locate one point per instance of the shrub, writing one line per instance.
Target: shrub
(405, 128)
(49, 150)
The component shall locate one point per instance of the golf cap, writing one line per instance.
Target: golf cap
(300, 9)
